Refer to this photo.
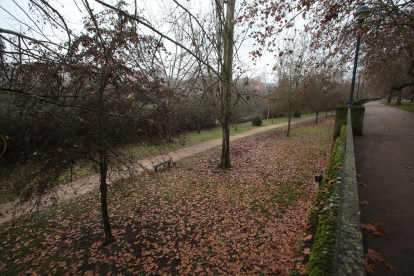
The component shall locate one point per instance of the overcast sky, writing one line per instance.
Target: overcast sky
(73, 10)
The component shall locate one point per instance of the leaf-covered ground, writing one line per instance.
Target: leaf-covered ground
(191, 219)
(10, 175)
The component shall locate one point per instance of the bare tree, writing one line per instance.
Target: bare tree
(85, 104)
(289, 72)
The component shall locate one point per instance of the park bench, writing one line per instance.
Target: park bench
(165, 163)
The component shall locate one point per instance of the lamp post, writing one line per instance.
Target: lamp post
(360, 13)
(362, 90)
(359, 81)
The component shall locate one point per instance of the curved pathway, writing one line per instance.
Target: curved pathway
(13, 210)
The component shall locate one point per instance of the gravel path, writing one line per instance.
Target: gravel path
(13, 210)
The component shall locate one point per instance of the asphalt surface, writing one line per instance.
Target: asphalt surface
(383, 156)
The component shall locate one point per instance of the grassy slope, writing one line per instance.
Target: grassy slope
(190, 219)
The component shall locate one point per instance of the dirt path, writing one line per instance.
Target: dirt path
(13, 210)
(383, 156)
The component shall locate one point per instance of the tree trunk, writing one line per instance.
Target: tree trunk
(268, 111)
(412, 96)
(235, 121)
(317, 113)
(389, 97)
(398, 102)
(291, 108)
(225, 147)
(289, 117)
(198, 126)
(103, 166)
(228, 36)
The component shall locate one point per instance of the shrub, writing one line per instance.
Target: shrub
(297, 113)
(257, 121)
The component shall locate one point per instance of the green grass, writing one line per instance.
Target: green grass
(193, 138)
(206, 135)
(407, 106)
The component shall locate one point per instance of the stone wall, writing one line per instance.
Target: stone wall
(349, 251)
(338, 248)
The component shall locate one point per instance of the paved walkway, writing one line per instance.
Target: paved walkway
(82, 186)
(383, 156)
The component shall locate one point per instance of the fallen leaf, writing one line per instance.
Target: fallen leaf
(368, 226)
(362, 184)
(392, 146)
(340, 167)
(409, 167)
(381, 232)
(359, 175)
(308, 237)
(306, 251)
(302, 269)
(298, 265)
(369, 267)
(388, 265)
(363, 202)
(316, 208)
(301, 258)
(412, 180)
(308, 227)
(338, 197)
(321, 202)
(374, 256)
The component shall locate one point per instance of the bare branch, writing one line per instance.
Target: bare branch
(26, 37)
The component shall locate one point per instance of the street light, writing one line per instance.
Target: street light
(362, 89)
(360, 13)
(359, 81)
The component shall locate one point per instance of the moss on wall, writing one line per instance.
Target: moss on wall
(358, 103)
(357, 117)
(322, 255)
(340, 119)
